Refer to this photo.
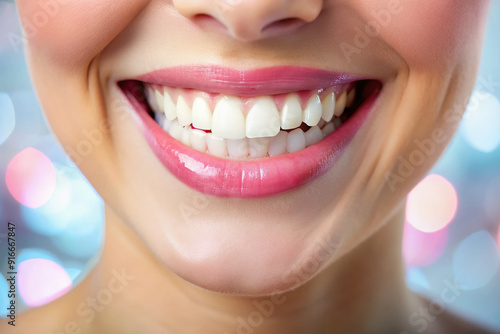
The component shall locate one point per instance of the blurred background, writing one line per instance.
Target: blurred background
(451, 237)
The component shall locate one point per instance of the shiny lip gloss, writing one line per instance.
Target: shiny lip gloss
(247, 178)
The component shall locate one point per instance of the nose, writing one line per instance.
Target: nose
(250, 20)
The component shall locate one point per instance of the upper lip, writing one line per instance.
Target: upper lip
(255, 82)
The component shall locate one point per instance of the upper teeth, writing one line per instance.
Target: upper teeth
(228, 120)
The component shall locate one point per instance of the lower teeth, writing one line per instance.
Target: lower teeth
(247, 148)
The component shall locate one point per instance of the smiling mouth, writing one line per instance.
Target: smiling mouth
(223, 137)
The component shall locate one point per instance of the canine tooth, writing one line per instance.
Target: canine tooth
(216, 146)
(237, 148)
(340, 105)
(312, 113)
(198, 140)
(228, 120)
(263, 119)
(296, 141)
(328, 129)
(183, 112)
(328, 106)
(159, 100)
(175, 130)
(291, 113)
(169, 106)
(202, 115)
(258, 147)
(277, 146)
(350, 98)
(313, 135)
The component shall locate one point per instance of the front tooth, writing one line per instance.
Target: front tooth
(258, 147)
(312, 113)
(350, 98)
(159, 100)
(237, 148)
(328, 129)
(202, 115)
(216, 146)
(228, 120)
(340, 105)
(277, 146)
(263, 119)
(296, 141)
(169, 106)
(313, 135)
(175, 130)
(328, 106)
(183, 112)
(198, 140)
(291, 114)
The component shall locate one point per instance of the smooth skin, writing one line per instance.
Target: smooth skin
(323, 258)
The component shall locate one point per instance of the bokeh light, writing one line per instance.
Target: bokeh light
(416, 280)
(7, 117)
(84, 217)
(41, 281)
(55, 215)
(421, 248)
(482, 122)
(476, 260)
(432, 204)
(31, 178)
(4, 298)
(36, 253)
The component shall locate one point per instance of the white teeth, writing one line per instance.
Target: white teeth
(151, 98)
(256, 135)
(237, 148)
(216, 146)
(296, 141)
(340, 105)
(198, 140)
(313, 136)
(291, 113)
(277, 146)
(175, 130)
(169, 107)
(185, 136)
(258, 147)
(350, 98)
(328, 105)
(183, 112)
(228, 120)
(263, 119)
(202, 115)
(163, 121)
(158, 100)
(312, 113)
(328, 129)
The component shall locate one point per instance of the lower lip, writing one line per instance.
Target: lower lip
(251, 178)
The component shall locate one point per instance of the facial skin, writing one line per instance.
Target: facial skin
(425, 54)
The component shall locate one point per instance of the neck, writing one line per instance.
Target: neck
(364, 291)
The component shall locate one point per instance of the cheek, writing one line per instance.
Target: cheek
(428, 33)
(72, 32)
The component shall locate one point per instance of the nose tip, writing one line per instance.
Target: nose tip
(250, 20)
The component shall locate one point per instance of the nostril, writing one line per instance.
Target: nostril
(284, 24)
(205, 20)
